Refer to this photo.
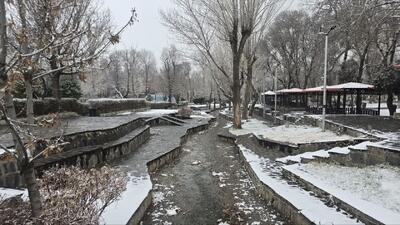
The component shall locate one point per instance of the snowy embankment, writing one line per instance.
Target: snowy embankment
(158, 112)
(121, 211)
(288, 133)
(324, 153)
(9, 193)
(372, 190)
(311, 207)
(201, 115)
(152, 112)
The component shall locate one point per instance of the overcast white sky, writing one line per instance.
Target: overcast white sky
(148, 33)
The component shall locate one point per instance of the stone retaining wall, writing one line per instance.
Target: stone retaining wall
(98, 137)
(290, 148)
(284, 207)
(288, 211)
(94, 156)
(85, 157)
(141, 211)
(9, 174)
(361, 158)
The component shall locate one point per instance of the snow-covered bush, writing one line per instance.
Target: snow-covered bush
(70, 195)
(75, 196)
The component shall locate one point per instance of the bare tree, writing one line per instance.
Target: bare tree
(202, 24)
(171, 60)
(149, 66)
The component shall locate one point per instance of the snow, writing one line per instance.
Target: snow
(228, 125)
(173, 211)
(156, 112)
(293, 90)
(352, 85)
(373, 190)
(288, 133)
(197, 106)
(201, 115)
(2, 151)
(340, 150)
(122, 210)
(9, 193)
(124, 114)
(363, 146)
(306, 155)
(251, 126)
(268, 93)
(115, 99)
(310, 206)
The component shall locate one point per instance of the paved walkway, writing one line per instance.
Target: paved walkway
(207, 185)
(72, 125)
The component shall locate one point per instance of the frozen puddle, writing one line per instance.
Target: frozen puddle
(136, 192)
(373, 190)
(311, 207)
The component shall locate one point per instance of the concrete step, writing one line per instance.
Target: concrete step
(172, 122)
(174, 119)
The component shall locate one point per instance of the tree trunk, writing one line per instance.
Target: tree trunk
(237, 120)
(255, 99)
(28, 174)
(247, 96)
(147, 88)
(55, 90)
(29, 98)
(392, 108)
(3, 44)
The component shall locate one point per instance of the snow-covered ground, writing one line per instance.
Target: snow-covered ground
(373, 190)
(288, 133)
(384, 109)
(121, 211)
(310, 206)
(158, 112)
(201, 115)
(8, 193)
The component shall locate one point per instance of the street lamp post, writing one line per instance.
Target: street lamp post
(325, 75)
(276, 96)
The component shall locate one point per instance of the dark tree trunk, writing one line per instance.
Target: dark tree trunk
(248, 91)
(392, 108)
(28, 174)
(56, 89)
(29, 98)
(237, 117)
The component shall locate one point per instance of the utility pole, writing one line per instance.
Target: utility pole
(325, 75)
(276, 96)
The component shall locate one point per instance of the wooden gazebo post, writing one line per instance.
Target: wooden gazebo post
(344, 102)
